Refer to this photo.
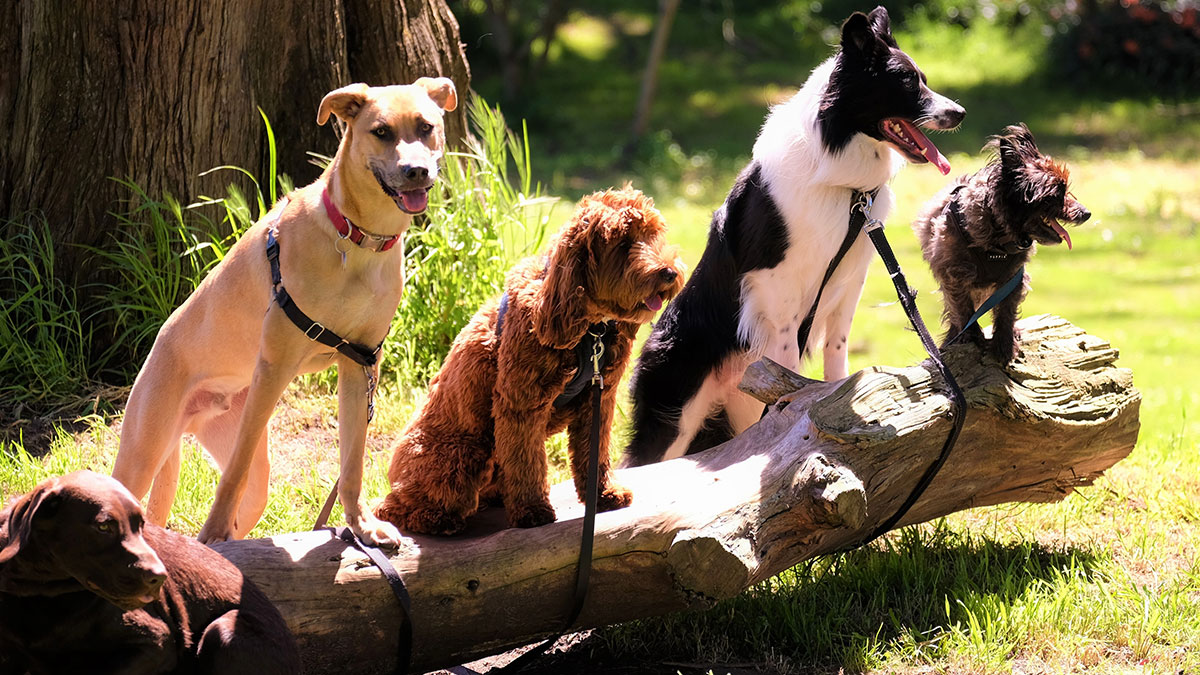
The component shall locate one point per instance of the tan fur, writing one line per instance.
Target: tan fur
(224, 357)
(490, 409)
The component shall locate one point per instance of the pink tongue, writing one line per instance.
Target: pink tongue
(1062, 232)
(654, 302)
(928, 149)
(415, 201)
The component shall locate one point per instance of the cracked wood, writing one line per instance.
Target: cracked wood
(829, 462)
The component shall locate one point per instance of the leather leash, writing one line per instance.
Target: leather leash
(597, 359)
(404, 641)
(862, 203)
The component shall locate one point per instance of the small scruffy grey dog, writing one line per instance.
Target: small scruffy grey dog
(978, 232)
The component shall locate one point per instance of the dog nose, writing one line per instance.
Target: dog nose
(415, 172)
(954, 116)
(1084, 214)
(668, 274)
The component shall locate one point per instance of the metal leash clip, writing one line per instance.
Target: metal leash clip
(597, 355)
(372, 383)
(864, 204)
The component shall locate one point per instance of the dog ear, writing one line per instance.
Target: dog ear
(560, 319)
(859, 37)
(441, 90)
(881, 23)
(17, 521)
(344, 102)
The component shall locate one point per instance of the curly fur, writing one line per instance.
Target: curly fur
(1015, 200)
(490, 408)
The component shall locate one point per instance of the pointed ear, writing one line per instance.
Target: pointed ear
(859, 37)
(344, 102)
(441, 90)
(881, 23)
(560, 319)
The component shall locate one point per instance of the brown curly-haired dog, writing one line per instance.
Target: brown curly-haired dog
(493, 404)
(980, 230)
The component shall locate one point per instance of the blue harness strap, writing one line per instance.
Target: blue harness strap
(994, 299)
(584, 369)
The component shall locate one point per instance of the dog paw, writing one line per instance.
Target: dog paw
(534, 515)
(419, 519)
(1005, 350)
(212, 533)
(376, 532)
(614, 497)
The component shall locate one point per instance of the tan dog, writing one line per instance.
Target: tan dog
(224, 357)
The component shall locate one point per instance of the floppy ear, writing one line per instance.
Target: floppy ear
(441, 90)
(560, 318)
(344, 102)
(16, 522)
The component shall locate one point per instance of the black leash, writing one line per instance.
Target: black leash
(908, 299)
(367, 358)
(857, 220)
(589, 372)
(404, 641)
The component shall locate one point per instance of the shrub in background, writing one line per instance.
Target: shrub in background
(484, 214)
(57, 352)
(1146, 45)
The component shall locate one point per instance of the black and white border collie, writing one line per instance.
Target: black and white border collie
(851, 126)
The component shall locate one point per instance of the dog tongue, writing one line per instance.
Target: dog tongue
(654, 302)
(928, 149)
(1062, 232)
(415, 201)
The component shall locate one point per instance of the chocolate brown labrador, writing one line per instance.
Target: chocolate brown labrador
(86, 586)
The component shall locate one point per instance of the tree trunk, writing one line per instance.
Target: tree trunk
(815, 476)
(658, 48)
(159, 91)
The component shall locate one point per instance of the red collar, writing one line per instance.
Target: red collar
(348, 230)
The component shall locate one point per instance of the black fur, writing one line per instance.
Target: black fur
(872, 80)
(977, 236)
(698, 329)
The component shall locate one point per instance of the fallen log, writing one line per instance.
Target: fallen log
(816, 475)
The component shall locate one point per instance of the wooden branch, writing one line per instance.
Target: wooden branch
(828, 463)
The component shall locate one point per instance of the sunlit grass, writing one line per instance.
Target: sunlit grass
(1106, 581)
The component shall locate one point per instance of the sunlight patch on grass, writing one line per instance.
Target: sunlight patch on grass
(587, 36)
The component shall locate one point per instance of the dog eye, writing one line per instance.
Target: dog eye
(911, 82)
(107, 527)
(382, 133)
(424, 128)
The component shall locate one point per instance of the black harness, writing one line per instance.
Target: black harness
(860, 219)
(604, 333)
(313, 330)
(857, 220)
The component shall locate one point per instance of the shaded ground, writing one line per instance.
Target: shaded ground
(584, 653)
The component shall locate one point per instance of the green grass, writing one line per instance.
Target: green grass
(1107, 581)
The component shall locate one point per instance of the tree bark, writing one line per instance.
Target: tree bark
(159, 91)
(816, 475)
